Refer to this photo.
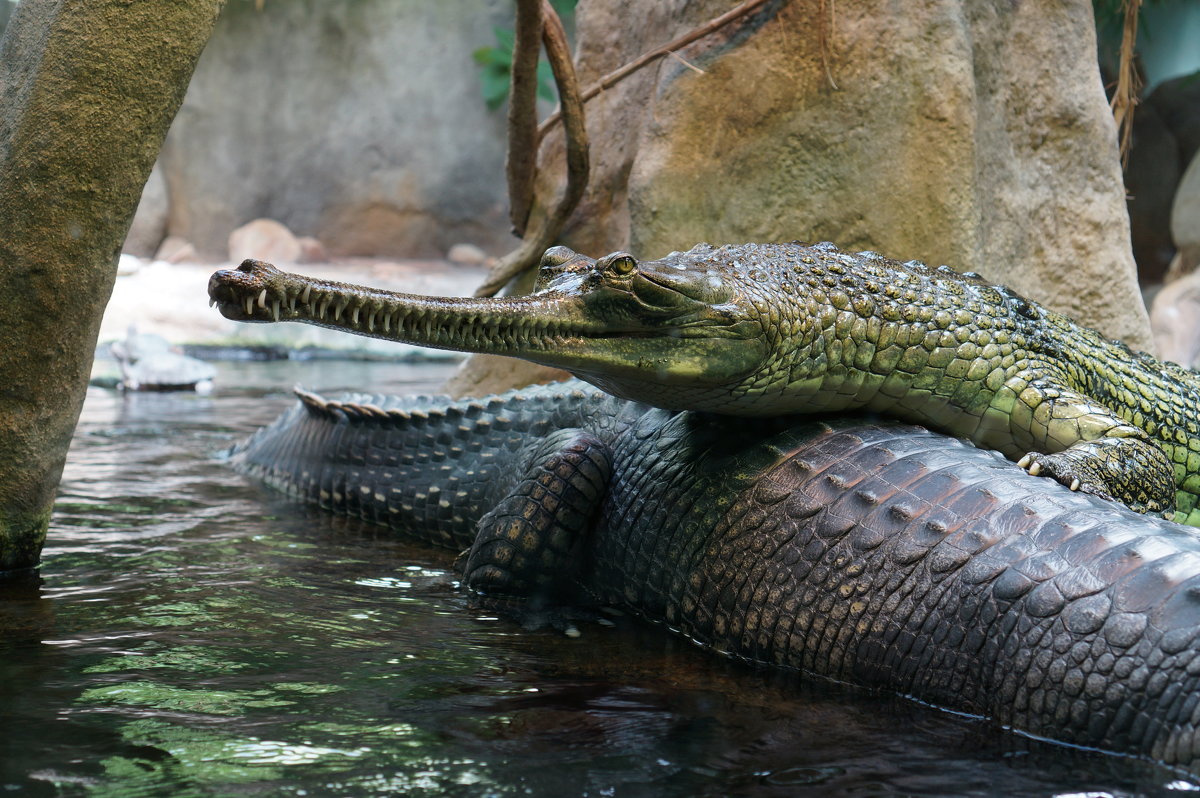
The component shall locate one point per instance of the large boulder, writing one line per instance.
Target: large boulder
(265, 239)
(360, 122)
(149, 226)
(1185, 220)
(1175, 320)
(969, 133)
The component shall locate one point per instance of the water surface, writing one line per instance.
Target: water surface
(194, 634)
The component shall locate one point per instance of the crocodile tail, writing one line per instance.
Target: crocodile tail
(429, 467)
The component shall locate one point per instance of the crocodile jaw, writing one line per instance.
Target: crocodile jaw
(554, 328)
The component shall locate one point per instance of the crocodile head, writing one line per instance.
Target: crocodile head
(640, 330)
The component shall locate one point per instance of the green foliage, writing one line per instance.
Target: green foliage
(495, 63)
(495, 70)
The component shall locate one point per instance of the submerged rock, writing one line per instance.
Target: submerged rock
(148, 362)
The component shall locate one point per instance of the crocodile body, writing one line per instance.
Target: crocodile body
(763, 330)
(885, 556)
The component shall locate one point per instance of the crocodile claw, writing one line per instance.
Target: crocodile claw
(1065, 471)
(1099, 468)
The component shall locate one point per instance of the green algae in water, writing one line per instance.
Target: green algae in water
(177, 699)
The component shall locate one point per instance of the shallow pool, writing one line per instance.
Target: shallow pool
(194, 634)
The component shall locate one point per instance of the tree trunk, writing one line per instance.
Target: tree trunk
(88, 89)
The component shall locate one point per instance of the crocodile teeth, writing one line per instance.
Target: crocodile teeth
(1075, 484)
(275, 310)
(337, 312)
(387, 322)
(1025, 461)
(249, 306)
(307, 293)
(1035, 469)
(371, 322)
(354, 317)
(322, 308)
(262, 299)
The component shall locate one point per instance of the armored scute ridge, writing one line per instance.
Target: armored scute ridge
(765, 330)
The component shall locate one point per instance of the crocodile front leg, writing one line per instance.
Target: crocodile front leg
(525, 557)
(1086, 446)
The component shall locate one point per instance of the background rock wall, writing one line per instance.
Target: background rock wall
(1166, 140)
(970, 133)
(360, 122)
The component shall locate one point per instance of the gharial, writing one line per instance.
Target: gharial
(884, 556)
(763, 330)
(887, 557)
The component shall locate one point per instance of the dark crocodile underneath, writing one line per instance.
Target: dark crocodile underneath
(885, 556)
(761, 330)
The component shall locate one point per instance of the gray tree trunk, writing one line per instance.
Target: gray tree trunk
(87, 91)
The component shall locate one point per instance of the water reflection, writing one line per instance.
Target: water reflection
(193, 634)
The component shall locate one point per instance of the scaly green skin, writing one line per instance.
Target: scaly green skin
(772, 329)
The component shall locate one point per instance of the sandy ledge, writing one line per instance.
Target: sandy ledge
(171, 300)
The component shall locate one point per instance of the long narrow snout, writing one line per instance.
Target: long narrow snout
(517, 326)
(642, 345)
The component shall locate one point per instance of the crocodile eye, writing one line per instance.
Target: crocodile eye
(620, 264)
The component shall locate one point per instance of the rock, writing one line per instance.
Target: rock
(481, 375)
(172, 300)
(361, 123)
(128, 264)
(149, 226)
(149, 363)
(467, 255)
(175, 249)
(1185, 213)
(1175, 320)
(312, 250)
(264, 239)
(969, 133)
(1185, 223)
(1184, 263)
